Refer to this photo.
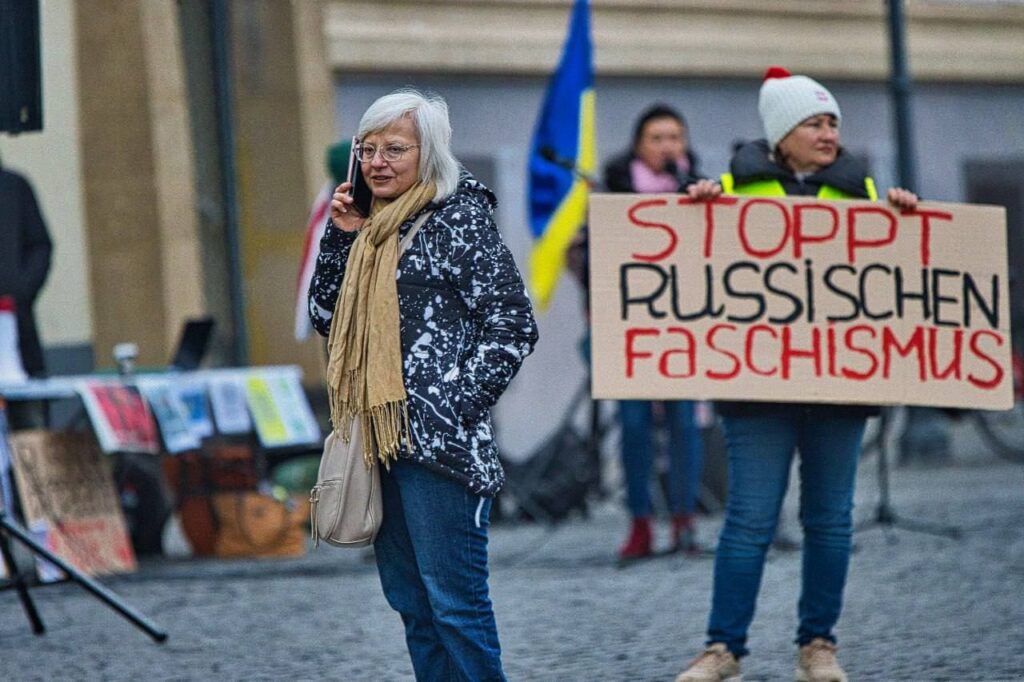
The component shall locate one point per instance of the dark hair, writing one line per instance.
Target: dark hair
(656, 111)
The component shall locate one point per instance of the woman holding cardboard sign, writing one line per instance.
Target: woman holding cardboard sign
(419, 357)
(801, 156)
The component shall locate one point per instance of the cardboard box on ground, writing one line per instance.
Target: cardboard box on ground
(68, 501)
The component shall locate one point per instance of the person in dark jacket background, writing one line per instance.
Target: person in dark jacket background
(25, 253)
(801, 156)
(660, 154)
(438, 347)
(659, 160)
(24, 261)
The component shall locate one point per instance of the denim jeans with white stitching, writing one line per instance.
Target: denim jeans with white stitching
(431, 555)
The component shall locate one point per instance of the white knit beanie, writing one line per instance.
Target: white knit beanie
(786, 100)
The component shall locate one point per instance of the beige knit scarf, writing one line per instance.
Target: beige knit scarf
(364, 366)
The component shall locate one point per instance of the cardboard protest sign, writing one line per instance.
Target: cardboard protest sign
(799, 299)
(69, 502)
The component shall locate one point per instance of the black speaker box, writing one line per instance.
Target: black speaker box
(21, 92)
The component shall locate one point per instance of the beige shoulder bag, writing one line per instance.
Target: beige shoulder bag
(345, 506)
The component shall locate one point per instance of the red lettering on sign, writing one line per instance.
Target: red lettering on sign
(789, 352)
(631, 353)
(830, 350)
(742, 226)
(933, 354)
(736, 365)
(915, 344)
(926, 230)
(801, 237)
(852, 345)
(673, 238)
(689, 352)
(853, 239)
(709, 216)
(748, 352)
(997, 377)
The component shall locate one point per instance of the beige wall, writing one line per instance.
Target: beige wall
(837, 38)
(52, 162)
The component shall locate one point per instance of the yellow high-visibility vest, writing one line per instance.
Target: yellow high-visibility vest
(774, 188)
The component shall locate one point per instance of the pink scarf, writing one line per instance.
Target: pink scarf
(647, 181)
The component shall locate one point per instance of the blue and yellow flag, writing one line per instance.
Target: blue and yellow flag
(563, 155)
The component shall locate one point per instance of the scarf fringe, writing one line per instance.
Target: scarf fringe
(344, 404)
(386, 429)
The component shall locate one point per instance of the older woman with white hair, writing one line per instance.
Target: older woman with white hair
(421, 358)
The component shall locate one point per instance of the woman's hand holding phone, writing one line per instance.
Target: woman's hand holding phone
(344, 215)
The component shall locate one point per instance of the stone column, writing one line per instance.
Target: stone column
(137, 172)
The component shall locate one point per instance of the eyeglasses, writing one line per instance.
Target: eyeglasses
(392, 152)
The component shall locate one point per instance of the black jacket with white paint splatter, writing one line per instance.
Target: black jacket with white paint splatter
(466, 327)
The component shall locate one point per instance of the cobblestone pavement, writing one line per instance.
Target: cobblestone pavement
(918, 607)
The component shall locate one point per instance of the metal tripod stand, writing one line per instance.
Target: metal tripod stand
(9, 530)
(885, 517)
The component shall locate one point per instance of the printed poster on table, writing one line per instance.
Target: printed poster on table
(799, 299)
(280, 409)
(69, 502)
(120, 417)
(229, 403)
(197, 408)
(171, 414)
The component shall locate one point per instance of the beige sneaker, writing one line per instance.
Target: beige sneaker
(716, 664)
(817, 663)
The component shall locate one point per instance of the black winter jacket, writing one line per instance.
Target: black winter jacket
(753, 162)
(466, 326)
(24, 261)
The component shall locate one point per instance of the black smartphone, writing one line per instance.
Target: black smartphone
(360, 192)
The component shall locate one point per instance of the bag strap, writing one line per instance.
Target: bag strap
(407, 239)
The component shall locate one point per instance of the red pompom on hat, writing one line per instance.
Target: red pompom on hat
(786, 100)
(776, 72)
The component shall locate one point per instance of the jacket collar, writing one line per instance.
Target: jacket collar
(754, 161)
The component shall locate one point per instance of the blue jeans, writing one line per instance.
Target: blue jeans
(760, 450)
(432, 559)
(685, 456)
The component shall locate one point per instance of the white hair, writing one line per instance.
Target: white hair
(429, 114)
